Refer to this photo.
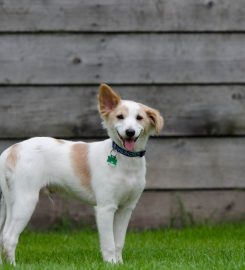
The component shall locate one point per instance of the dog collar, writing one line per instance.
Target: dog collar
(112, 158)
(125, 152)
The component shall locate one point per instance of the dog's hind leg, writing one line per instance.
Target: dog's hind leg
(2, 221)
(21, 212)
(3, 206)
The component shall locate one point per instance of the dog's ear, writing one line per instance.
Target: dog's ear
(108, 99)
(156, 120)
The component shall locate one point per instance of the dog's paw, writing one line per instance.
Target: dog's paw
(119, 258)
(110, 260)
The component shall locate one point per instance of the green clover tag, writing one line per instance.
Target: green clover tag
(112, 160)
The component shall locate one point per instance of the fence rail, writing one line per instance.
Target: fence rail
(123, 16)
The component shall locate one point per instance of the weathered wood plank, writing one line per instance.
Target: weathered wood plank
(154, 210)
(72, 111)
(196, 163)
(143, 58)
(61, 112)
(193, 163)
(108, 15)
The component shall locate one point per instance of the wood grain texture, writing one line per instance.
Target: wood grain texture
(69, 112)
(154, 210)
(207, 163)
(195, 163)
(141, 58)
(60, 112)
(127, 15)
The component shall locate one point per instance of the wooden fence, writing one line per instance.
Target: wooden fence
(184, 57)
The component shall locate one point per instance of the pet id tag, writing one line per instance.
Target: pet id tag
(112, 159)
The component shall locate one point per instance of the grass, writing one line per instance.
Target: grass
(201, 247)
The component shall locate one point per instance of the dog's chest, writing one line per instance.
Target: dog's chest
(129, 180)
(116, 184)
(128, 183)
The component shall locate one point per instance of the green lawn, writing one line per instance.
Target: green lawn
(202, 247)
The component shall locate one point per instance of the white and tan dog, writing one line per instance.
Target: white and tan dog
(109, 174)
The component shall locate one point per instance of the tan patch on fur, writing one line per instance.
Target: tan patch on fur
(79, 158)
(145, 121)
(120, 109)
(12, 156)
(152, 118)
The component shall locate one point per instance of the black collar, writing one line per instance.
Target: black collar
(127, 153)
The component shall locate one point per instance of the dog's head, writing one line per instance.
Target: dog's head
(128, 123)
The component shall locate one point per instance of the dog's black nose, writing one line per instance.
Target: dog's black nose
(130, 132)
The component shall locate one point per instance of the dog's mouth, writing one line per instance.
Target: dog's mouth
(128, 143)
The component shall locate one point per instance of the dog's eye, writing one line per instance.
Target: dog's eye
(120, 117)
(139, 117)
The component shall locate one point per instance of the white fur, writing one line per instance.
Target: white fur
(43, 161)
(130, 121)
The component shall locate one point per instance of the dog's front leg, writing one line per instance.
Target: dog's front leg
(122, 217)
(105, 218)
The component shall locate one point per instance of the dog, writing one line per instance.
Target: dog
(110, 174)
